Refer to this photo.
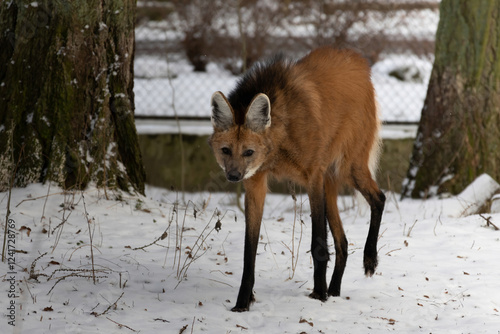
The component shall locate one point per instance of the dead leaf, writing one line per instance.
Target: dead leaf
(25, 228)
(48, 309)
(302, 320)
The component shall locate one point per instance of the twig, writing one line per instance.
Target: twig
(90, 237)
(62, 223)
(394, 250)
(122, 325)
(411, 228)
(214, 280)
(109, 307)
(179, 244)
(435, 225)
(200, 241)
(32, 268)
(39, 197)
(45, 203)
(161, 237)
(488, 222)
(192, 325)
(74, 274)
(160, 319)
(79, 247)
(33, 298)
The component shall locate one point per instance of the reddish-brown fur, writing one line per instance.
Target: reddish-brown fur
(323, 133)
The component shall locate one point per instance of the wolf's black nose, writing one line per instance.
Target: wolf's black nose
(233, 176)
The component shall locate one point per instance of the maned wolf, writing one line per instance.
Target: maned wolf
(315, 122)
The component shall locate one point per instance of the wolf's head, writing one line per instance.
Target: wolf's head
(240, 149)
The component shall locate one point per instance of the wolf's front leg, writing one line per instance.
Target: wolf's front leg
(319, 248)
(255, 195)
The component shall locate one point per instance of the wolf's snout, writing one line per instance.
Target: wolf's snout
(233, 176)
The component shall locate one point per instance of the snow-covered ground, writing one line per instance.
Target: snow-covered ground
(162, 267)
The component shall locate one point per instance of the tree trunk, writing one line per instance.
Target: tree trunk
(459, 133)
(66, 94)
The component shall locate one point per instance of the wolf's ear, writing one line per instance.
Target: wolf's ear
(258, 117)
(222, 113)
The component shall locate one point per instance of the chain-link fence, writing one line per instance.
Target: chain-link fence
(187, 49)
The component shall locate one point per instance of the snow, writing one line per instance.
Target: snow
(437, 269)
(495, 204)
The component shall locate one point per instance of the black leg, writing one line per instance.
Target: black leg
(331, 192)
(319, 247)
(256, 188)
(370, 260)
(245, 295)
(376, 199)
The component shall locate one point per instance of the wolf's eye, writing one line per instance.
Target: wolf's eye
(248, 153)
(226, 151)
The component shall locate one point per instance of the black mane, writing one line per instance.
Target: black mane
(267, 77)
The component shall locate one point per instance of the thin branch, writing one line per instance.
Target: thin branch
(122, 325)
(488, 222)
(161, 237)
(110, 306)
(39, 197)
(32, 269)
(90, 237)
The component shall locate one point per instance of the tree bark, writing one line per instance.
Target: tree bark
(66, 94)
(459, 133)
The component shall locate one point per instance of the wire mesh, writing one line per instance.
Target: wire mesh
(187, 49)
